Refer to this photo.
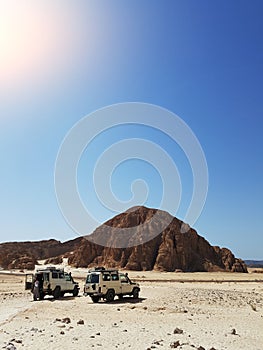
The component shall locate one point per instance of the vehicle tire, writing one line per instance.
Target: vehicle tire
(75, 292)
(56, 293)
(41, 296)
(95, 299)
(110, 295)
(135, 293)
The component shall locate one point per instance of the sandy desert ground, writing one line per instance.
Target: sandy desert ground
(184, 311)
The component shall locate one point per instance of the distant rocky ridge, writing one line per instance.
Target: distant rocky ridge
(254, 263)
(168, 251)
(24, 255)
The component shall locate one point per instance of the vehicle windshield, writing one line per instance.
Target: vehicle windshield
(92, 278)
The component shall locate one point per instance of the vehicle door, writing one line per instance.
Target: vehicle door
(55, 280)
(115, 282)
(62, 281)
(125, 284)
(94, 283)
(46, 281)
(68, 281)
(29, 281)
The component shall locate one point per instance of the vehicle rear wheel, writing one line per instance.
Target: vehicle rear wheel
(56, 292)
(110, 295)
(95, 299)
(75, 292)
(135, 293)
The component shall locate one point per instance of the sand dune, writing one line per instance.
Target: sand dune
(213, 314)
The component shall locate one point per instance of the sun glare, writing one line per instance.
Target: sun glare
(27, 39)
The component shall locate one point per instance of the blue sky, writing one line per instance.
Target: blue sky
(62, 60)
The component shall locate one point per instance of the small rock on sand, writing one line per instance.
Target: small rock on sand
(66, 320)
(178, 331)
(175, 344)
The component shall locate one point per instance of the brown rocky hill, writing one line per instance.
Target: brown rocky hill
(24, 255)
(171, 249)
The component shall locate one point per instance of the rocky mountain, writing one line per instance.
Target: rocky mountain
(172, 249)
(24, 255)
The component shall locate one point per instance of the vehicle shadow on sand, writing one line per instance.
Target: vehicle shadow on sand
(64, 298)
(125, 300)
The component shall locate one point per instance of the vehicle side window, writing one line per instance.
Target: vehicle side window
(115, 277)
(106, 277)
(88, 280)
(61, 275)
(54, 275)
(46, 276)
(92, 278)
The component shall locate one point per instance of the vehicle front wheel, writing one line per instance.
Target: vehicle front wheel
(135, 293)
(110, 295)
(95, 299)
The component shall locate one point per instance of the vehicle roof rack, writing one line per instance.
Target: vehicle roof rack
(49, 268)
(99, 268)
(103, 269)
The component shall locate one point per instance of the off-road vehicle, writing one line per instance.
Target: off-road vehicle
(52, 281)
(106, 284)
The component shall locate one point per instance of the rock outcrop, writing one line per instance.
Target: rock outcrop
(54, 261)
(11, 253)
(24, 262)
(176, 247)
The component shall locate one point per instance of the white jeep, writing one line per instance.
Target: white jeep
(106, 284)
(53, 281)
